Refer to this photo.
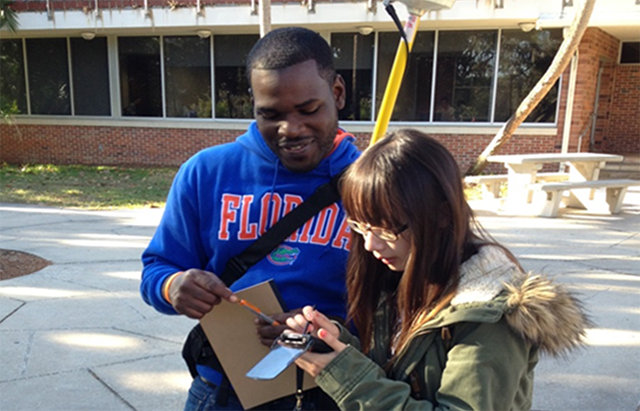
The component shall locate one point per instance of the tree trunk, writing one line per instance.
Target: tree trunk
(560, 61)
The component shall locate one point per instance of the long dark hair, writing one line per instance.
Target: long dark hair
(408, 178)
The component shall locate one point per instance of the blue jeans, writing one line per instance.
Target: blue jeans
(202, 397)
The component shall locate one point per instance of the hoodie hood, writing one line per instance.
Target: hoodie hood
(340, 157)
(482, 276)
(538, 309)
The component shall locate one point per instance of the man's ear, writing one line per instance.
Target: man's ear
(339, 91)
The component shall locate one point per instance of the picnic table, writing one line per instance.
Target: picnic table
(584, 173)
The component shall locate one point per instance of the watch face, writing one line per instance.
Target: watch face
(278, 359)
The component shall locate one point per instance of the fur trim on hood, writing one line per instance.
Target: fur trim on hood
(538, 309)
(547, 314)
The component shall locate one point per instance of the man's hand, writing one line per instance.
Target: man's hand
(268, 333)
(195, 292)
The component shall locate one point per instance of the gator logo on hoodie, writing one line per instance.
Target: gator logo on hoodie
(283, 255)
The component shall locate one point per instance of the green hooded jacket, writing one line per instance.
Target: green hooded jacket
(478, 353)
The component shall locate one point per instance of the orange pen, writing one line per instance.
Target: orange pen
(257, 312)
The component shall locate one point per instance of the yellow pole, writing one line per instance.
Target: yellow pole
(395, 79)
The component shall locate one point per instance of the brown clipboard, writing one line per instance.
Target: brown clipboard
(232, 334)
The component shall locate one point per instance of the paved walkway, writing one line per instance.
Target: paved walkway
(77, 336)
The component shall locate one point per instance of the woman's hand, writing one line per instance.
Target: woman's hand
(321, 327)
(269, 333)
(309, 319)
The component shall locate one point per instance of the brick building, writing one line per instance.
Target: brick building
(135, 82)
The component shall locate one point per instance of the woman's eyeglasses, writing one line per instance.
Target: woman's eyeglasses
(383, 234)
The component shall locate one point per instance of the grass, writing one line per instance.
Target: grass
(93, 188)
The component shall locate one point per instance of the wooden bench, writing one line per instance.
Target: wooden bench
(490, 184)
(616, 190)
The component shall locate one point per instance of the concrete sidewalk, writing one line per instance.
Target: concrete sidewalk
(77, 336)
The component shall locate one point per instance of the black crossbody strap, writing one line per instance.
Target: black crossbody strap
(324, 196)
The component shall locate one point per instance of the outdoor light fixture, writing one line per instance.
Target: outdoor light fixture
(88, 35)
(203, 34)
(527, 26)
(421, 7)
(365, 30)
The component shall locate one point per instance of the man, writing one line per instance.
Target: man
(224, 197)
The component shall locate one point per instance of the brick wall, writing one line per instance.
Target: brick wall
(467, 147)
(597, 49)
(104, 145)
(622, 134)
(618, 113)
(89, 5)
(155, 147)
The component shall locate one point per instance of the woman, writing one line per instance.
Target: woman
(446, 316)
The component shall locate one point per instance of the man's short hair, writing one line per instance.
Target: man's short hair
(288, 46)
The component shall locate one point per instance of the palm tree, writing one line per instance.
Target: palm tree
(561, 60)
(8, 16)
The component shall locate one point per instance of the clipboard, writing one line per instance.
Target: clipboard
(232, 333)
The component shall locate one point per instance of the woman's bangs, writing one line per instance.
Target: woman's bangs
(368, 196)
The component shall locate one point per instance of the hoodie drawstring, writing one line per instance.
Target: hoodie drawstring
(271, 194)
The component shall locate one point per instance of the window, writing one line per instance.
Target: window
(140, 80)
(13, 95)
(464, 77)
(414, 97)
(187, 73)
(49, 85)
(353, 58)
(90, 67)
(48, 76)
(524, 58)
(232, 89)
(630, 52)
(171, 76)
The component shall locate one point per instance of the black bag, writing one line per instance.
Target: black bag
(197, 350)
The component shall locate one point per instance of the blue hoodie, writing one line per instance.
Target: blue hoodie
(224, 196)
